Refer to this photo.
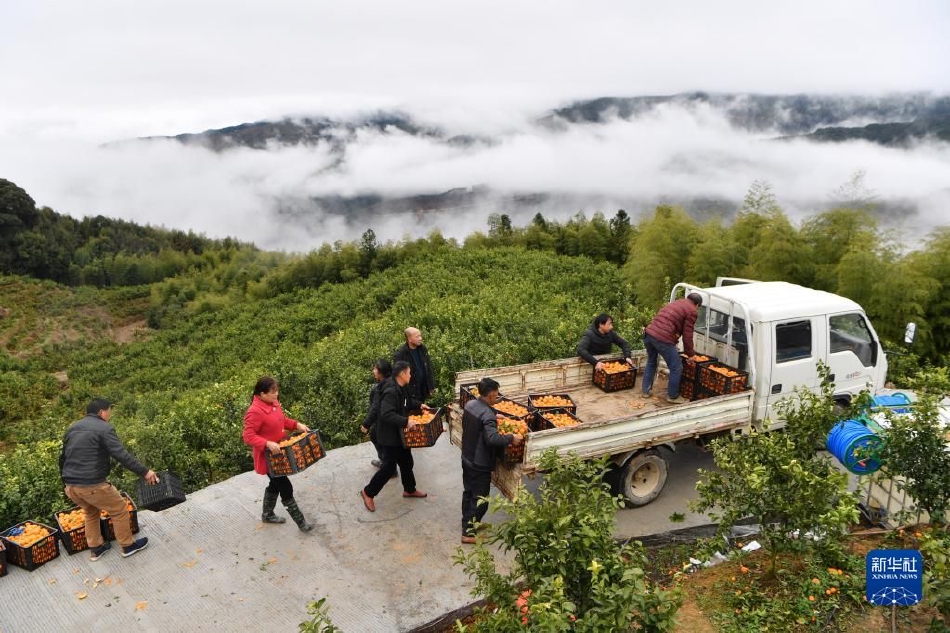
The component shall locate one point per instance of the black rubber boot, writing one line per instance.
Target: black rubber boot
(270, 502)
(294, 511)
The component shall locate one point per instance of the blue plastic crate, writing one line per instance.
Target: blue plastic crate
(897, 402)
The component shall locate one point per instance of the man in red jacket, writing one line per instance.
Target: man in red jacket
(674, 320)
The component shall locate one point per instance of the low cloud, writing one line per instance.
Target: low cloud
(268, 196)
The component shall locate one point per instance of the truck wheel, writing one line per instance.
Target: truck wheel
(643, 478)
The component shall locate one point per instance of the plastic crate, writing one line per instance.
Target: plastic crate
(625, 379)
(105, 522)
(897, 402)
(3, 560)
(466, 393)
(513, 454)
(548, 423)
(688, 389)
(73, 540)
(166, 493)
(691, 367)
(304, 450)
(534, 397)
(422, 435)
(711, 378)
(31, 556)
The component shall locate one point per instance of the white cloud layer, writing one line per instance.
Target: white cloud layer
(76, 75)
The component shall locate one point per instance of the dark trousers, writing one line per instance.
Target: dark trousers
(282, 486)
(475, 484)
(379, 449)
(393, 456)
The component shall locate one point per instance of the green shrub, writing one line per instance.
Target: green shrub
(579, 577)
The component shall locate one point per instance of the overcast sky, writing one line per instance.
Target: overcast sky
(76, 74)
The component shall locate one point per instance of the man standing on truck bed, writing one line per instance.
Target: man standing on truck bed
(674, 320)
(599, 338)
(415, 353)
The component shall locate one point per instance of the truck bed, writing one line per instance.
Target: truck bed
(614, 423)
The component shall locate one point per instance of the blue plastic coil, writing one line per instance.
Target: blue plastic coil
(851, 442)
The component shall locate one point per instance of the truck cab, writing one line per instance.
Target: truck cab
(778, 332)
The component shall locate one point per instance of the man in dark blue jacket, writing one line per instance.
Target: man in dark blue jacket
(481, 445)
(599, 338)
(84, 464)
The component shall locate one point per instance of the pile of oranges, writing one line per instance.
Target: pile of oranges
(290, 441)
(510, 426)
(548, 402)
(700, 359)
(32, 532)
(421, 418)
(511, 408)
(72, 520)
(615, 367)
(725, 371)
(560, 419)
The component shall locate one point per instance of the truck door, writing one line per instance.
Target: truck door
(852, 352)
(795, 351)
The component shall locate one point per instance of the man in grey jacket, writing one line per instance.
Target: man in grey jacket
(481, 443)
(85, 462)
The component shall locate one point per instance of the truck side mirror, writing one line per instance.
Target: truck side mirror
(910, 332)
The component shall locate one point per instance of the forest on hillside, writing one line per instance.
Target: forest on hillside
(175, 328)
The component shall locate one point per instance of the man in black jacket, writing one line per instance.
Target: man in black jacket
(395, 403)
(481, 445)
(599, 338)
(381, 371)
(85, 462)
(415, 353)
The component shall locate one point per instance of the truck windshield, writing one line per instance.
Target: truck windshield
(850, 334)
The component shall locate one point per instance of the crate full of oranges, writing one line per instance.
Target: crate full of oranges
(30, 544)
(692, 365)
(297, 453)
(427, 427)
(105, 521)
(557, 419)
(547, 401)
(615, 375)
(721, 379)
(514, 454)
(72, 529)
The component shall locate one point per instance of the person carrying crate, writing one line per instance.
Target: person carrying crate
(481, 442)
(396, 400)
(264, 427)
(89, 446)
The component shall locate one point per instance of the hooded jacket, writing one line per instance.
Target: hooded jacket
(593, 342)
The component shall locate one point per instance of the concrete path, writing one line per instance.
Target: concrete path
(212, 566)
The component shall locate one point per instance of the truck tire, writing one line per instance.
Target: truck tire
(643, 477)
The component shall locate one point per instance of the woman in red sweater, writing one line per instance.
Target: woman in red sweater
(265, 425)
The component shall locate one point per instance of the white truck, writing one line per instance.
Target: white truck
(775, 331)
